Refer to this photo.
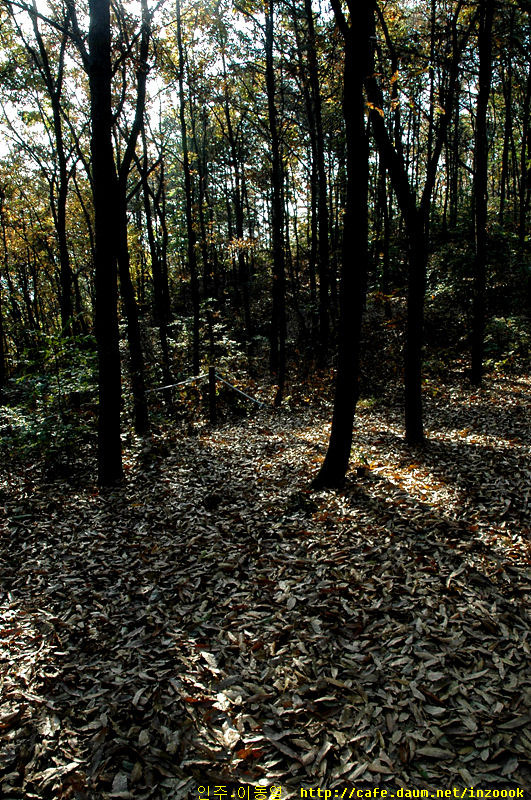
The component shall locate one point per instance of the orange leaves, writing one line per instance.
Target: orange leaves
(373, 107)
(247, 753)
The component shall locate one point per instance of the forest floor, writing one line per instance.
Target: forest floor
(214, 622)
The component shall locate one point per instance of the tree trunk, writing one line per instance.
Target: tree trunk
(355, 249)
(105, 197)
(3, 364)
(312, 229)
(64, 256)
(414, 330)
(480, 189)
(278, 317)
(507, 86)
(417, 223)
(525, 167)
(322, 199)
(54, 87)
(134, 341)
(192, 256)
(237, 169)
(159, 274)
(453, 188)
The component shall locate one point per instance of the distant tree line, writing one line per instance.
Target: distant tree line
(187, 177)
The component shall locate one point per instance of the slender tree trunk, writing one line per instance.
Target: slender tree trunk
(322, 199)
(383, 239)
(454, 161)
(105, 196)
(134, 341)
(3, 364)
(525, 167)
(312, 205)
(237, 194)
(414, 328)
(160, 210)
(192, 239)
(54, 87)
(312, 254)
(159, 275)
(355, 248)
(480, 189)
(417, 224)
(64, 256)
(278, 318)
(507, 84)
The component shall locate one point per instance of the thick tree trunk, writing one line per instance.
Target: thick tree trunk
(105, 204)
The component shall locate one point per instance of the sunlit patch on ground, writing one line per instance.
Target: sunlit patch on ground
(215, 620)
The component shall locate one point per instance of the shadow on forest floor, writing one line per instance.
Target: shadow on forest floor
(214, 622)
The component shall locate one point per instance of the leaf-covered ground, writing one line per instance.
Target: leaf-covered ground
(216, 621)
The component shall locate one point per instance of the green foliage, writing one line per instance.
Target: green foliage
(507, 343)
(50, 400)
(359, 456)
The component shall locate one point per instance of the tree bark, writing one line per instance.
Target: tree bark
(278, 316)
(355, 247)
(3, 353)
(161, 311)
(480, 189)
(525, 168)
(237, 169)
(134, 340)
(192, 238)
(507, 87)
(416, 218)
(54, 88)
(105, 204)
(322, 199)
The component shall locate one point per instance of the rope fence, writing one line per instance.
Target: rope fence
(181, 383)
(248, 396)
(212, 376)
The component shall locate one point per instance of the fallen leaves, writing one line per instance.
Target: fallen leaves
(213, 620)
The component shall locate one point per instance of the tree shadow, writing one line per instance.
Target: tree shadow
(175, 632)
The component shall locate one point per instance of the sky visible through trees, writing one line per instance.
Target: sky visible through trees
(231, 137)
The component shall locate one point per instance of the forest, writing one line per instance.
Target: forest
(265, 283)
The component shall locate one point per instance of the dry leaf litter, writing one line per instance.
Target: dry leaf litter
(216, 621)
